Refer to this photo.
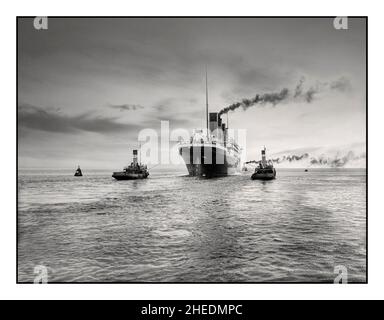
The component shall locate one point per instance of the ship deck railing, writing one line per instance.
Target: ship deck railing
(228, 144)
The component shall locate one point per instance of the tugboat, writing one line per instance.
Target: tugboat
(134, 171)
(265, 169)
(78, 172)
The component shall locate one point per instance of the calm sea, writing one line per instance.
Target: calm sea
(174, 228)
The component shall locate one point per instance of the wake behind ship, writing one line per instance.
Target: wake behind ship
(211, 152)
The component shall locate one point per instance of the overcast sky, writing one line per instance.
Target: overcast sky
(88, 86)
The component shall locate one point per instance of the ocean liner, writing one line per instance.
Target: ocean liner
(211, 152)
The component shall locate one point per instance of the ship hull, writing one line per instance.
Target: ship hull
(260, 175)
(263, 176)
(209, 161)
(129, 176)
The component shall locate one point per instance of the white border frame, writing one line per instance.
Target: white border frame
(10, 290)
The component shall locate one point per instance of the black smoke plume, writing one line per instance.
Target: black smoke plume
(285, 94)
(299, 88)
(273, 98)
(336, 161)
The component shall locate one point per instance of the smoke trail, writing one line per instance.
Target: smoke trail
(273, 98)
(342, 84)
(298, 93)
(299, 88)
(307, 160)
(310, 94)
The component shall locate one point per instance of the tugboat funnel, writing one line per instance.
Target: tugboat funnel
(134, 157)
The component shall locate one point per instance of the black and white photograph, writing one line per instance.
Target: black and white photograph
(200, 149)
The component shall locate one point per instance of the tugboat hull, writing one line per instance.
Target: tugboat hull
(263, 176)
(129, 176)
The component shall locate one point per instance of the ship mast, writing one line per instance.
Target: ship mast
(206, 97)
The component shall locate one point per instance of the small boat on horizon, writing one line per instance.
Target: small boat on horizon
(265, 169)
(78, 172)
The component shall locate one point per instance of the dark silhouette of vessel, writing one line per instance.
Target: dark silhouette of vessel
(211, 152)
(134, 171)
(78, 172)
(265, 169)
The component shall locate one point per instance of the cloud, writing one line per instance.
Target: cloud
(169, 109)
(126, 107)
(51, 120)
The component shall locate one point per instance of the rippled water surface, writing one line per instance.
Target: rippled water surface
(174, 228)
